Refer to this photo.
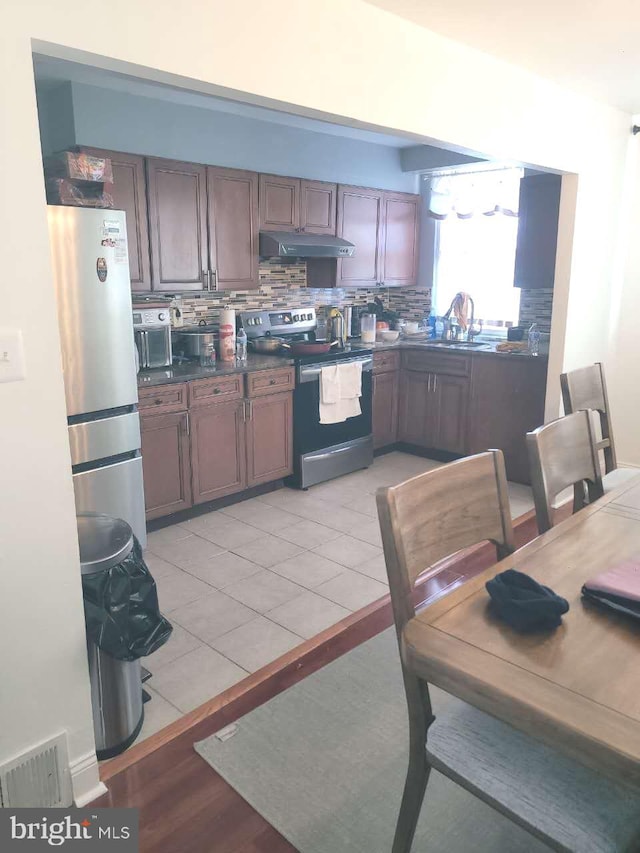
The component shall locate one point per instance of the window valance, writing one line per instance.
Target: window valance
(474, 193)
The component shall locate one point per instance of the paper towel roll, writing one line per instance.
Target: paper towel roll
(227, 334)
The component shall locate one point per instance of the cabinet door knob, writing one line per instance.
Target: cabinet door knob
(272, 382)
(158, 402)
(216, 391)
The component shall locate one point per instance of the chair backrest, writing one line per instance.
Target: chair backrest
(585, 388)
(436, 514)
(562, 454)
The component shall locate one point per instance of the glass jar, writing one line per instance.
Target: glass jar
(208, 357)
(368, 328)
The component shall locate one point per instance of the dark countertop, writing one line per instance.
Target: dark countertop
(487, 348)
(192, 370)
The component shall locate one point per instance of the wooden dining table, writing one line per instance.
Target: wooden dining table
(576, 688)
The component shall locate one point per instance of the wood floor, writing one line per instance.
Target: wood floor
(184, 806)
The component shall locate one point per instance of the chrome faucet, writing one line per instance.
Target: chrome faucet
(471, 331)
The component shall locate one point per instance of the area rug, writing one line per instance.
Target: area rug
(324, 763)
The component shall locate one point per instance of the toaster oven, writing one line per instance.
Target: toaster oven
(152, 332)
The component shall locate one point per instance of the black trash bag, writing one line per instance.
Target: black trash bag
(121, 609)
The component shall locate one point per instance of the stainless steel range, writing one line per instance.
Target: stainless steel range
(321, 451)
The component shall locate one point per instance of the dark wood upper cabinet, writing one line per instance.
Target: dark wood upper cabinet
(318, 201)
(292, 204)
(401, 237)
(359, 220)
(537, 240)
(177, 224)
(269, 438)
(129, 194)
(279, 203)
(233, 228)
(165, 463)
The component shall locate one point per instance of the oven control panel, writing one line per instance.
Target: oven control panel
(278, 321)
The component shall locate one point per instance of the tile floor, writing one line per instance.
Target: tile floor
(245, 584)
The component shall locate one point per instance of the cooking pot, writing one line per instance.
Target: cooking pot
(266, 344)
(194, 341)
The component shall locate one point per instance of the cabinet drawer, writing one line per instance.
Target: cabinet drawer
(263, 382)
(163, 398)
(385, 362)
(203, 392)
(448, 363)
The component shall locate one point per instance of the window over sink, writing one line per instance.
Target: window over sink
(475, 244)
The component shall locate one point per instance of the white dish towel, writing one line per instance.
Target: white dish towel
(340, 390)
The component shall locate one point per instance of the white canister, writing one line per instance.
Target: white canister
(227, 334)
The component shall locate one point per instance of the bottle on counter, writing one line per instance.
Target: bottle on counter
(439, 327)
(431, 325)
(534, 339)
(241, 345)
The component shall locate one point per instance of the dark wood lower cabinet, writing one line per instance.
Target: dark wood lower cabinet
(269, 438)
(218, 450)
(220, 446)
(507, 401)
(448, 425)
(166, 463)
(415, 408)
(433, 411)
(385, 408)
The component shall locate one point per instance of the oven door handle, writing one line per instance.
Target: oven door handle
(311, 372)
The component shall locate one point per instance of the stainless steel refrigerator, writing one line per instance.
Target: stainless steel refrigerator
(93, 292)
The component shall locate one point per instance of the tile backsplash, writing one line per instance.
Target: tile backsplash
(535, 307)
(411, 303)
(283, 284)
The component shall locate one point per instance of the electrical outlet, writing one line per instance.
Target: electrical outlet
(11, 355)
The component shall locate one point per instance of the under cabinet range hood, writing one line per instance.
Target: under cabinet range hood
(294, 244)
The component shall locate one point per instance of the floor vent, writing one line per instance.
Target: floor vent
(39, 778)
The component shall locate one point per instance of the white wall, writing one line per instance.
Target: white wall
(390, 74)
(43, 667)
(622, 361)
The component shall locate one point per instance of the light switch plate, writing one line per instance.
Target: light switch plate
(11, 355)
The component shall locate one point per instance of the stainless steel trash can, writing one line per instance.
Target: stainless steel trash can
(116, 685)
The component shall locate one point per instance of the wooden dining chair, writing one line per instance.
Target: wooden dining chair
(424, 520)
(586, 388)
(563, 454)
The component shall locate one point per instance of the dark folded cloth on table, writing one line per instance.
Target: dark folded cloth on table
(523, 603)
